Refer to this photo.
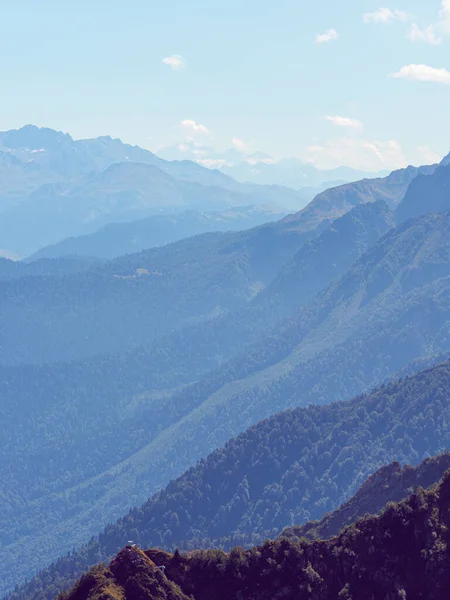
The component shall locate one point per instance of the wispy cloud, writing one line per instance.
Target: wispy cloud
(423, 73)
(358, 153)
(325, 38)
(175, 62)
(436, 33)
(238, 143)
(192, 127)
(427, 155)
(343, 121)
(385, 15)
(427, 35)
(213, 163)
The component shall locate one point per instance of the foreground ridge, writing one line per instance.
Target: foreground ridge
(284, 471)
(402, 553)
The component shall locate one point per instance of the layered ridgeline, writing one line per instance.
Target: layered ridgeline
(103, 434)
(53, 187)
(402, 553)
(123, 238)
(124, 303)
(391, 483)
(116, 239)
(49, 413)
(388, 311)
(133, 299)
(284, 471)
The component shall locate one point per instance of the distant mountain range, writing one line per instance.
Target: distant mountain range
(258, 167)
(116, 239)
(120, 238)
(53, 187)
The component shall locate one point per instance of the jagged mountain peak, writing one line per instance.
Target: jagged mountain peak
(31, 137)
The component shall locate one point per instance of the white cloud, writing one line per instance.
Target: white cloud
(427, 35)
(361, 154)
(344, 121)
(444, 17)
(423, 73)
(427, 155)
(193, 127)
(385, 15)
(238, 143)
(329, 36)
(212, 163)
(433, 34)
(260, 161)
(175, 62)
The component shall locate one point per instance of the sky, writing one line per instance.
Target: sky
(334, 83)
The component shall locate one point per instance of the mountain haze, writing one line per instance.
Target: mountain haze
(54, 187)
(116, 239)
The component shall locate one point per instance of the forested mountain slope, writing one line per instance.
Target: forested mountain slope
(134, 402)
(10, 269)
(353, 336)
(286, 470)
(143, 427)
(123, 303)
(326, 257)
(402, 553)
(391, 483)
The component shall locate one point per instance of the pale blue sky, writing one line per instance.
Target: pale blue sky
(252, 71)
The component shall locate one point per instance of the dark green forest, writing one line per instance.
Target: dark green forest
(285, 471)
(391, 483)
(402, 553)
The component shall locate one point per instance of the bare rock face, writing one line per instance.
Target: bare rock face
(132, 575)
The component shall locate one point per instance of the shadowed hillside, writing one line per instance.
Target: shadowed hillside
(403, 553)
(286, 470)
(391, 483)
